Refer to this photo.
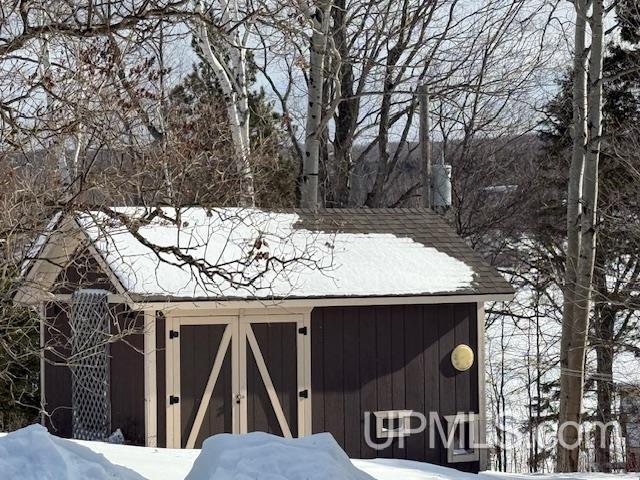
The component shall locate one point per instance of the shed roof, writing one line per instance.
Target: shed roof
(239, 253)
(424, 227)
(222, 254)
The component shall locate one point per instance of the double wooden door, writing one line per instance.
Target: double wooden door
(237, 374)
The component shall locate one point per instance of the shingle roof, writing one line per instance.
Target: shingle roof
(339, 254)
(421, 225)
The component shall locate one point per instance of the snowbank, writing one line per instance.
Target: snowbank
(392, 469)
(268, 457)
(32, 453)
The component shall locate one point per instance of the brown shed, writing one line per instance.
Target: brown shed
(368, 324)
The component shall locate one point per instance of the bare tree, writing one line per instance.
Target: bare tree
(378, 54)
(222, 34)
(581, 229)
(319, 62)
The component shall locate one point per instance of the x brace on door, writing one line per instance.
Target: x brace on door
(239, 336)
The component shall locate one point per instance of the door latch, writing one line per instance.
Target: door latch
(239, 398)
(173, 400)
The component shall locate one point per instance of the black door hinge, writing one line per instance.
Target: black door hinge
(173, 400)
(173, 334)
(304, 394)
(302, 330)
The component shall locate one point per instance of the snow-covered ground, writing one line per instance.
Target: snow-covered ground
(33, 454)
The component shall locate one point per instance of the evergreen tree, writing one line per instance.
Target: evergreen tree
(198, 115)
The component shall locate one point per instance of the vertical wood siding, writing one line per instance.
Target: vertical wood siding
(127, 377)
(161, 381)
(82, 272)
(126, 373)
(57, 378)
(391, 358)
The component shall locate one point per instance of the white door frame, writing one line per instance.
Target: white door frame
(241, 343)
(173, 324)
(303, 352)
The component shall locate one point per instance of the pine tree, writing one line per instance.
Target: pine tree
(199, 118)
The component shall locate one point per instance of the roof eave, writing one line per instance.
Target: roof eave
(145, 302)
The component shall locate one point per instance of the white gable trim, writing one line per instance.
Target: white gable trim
(105, 267)
(61, 245)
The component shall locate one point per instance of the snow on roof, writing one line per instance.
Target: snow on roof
(36, 247)
(250, 253)
(501, 188)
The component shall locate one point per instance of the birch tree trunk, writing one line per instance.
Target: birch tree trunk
(55, 145)
(581, 232)
(314, 124)
(229, 65)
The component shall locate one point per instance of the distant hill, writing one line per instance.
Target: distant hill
(487, 163)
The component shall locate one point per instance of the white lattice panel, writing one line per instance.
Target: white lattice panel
(90, 365)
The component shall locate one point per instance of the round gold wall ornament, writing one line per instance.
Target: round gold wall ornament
(462, 357)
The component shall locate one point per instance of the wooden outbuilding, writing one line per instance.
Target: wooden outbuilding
(354, 322)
